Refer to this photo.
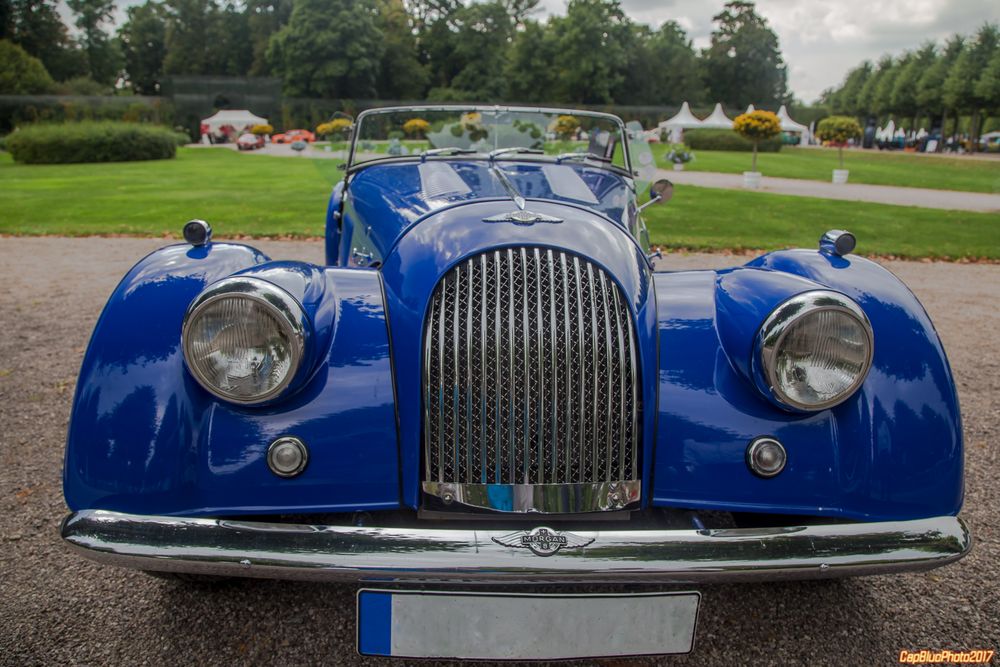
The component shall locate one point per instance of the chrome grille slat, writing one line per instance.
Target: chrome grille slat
(546, 391)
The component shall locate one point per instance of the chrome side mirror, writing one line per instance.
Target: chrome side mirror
(660, 192)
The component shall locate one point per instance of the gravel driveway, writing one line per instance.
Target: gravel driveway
(56, 608)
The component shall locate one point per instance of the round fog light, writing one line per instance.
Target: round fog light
(766, 457)
(287, 457)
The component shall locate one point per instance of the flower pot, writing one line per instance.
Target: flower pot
(751, 180)
(840, 176)
(678, 166)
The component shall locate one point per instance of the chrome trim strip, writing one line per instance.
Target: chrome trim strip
(567, 498)
(345, 553)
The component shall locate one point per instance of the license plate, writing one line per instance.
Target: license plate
(511, 626)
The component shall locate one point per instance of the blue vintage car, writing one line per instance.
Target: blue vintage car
(489, 383)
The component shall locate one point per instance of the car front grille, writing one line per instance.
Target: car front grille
(530, 375)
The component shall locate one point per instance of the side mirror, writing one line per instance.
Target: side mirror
(660, 192)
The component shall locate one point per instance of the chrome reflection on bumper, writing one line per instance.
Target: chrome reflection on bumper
(273, 550)
(540, 498)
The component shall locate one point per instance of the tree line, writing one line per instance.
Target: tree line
(936, 83)
(439, 50)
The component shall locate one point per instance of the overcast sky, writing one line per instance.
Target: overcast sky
(822, 39)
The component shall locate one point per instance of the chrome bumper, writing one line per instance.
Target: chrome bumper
(345, 553)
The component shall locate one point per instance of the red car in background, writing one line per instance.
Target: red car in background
(292, 136)
(249, 142)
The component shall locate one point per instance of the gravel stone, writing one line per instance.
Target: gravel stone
(58, 608)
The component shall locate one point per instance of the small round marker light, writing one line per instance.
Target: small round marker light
(197, 232)
(766, 457)
(287, 457)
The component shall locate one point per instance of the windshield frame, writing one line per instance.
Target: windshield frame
(350, 165)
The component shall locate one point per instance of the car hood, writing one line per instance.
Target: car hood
(389, 198)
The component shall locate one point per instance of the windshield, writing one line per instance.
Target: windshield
(543, 133)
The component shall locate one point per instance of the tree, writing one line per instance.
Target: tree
(848, 97)
(142, 40)
(903, 98)
(38, 29)
(102, 55)
(743, 65)
(330, 48)
(757, 126)
(838, 130)
(480, 44)
(988, 84)
(21, 73)
(676, 76)
(592, 42)
(867, 94)
(401, 74)
(929, 87)
(960, 89)
(520, 10)
(529, 72)
(264, 19)
(204, 38)
(881, 101)
(6, 19)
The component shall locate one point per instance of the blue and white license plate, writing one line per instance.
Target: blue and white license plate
(509, 626)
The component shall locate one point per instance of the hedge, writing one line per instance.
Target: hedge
(727, 140)
(91, 142)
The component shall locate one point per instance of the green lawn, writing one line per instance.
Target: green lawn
(709, 219)
(256, 195)
(238, 193)
(873, 167)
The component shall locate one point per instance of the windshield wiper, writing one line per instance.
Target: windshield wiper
(516, 149)
(453, 150)
(581, 156)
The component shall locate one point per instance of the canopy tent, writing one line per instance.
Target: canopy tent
(789, 125)
(718, 119)
(683, 120)
(238, 119)
(750, 109)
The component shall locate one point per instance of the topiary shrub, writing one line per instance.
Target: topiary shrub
(757, 126)
(91, 142)
(726, 140)
(839, 130)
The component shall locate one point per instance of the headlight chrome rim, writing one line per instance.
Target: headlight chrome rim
(782, 320)
(287, 311)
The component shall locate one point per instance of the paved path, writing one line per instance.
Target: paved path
(879, 194)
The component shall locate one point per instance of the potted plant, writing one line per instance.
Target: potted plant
(679, 155)
(756, 126)
(838, 130)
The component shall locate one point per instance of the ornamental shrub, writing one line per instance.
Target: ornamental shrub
(416, 128)
(726, 140)
(91, 142)
(334, 129)
(261, 130)
(838, 130)
(566, 126)
(757, 126)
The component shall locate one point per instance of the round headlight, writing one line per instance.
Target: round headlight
(815, 350)
(244, 339)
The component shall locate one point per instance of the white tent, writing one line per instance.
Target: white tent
(787, 124)
(718, 119)
(683, 119)
(750, 109)
(238, 119)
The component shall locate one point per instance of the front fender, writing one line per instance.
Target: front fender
(891, 451)
(144, 437)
